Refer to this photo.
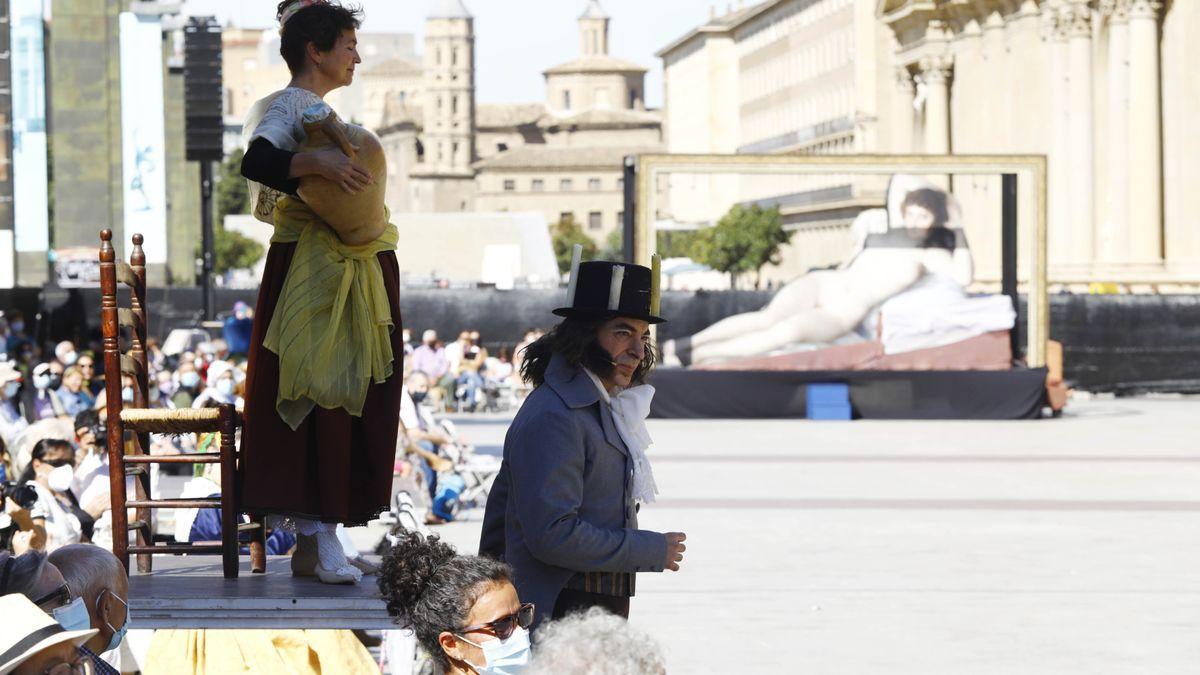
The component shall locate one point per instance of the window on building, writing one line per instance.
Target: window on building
(454, 105)
(454, 150)
(620, 219)
(566, 185)
(594, 220)
(566, 100)
(437, 53)
(538, 185)
(621, 183)
(566, 217)
(510, 185)
(454, 56)
(501, 147)
(633, 98)
(594, 184)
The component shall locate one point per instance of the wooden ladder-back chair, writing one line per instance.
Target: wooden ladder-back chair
(141, 421)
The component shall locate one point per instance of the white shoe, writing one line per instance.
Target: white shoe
(346, 574)
(332, 566)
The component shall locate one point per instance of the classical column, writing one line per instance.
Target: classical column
(1145, 134)
(1078, 17)
(1112, 243)
(1059, 228)
(903, 113)
(935, 74)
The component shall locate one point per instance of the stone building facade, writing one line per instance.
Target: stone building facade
(1103, 88)
(560, 157)
(781, 77)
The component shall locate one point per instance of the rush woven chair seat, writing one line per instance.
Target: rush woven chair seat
(137, 422)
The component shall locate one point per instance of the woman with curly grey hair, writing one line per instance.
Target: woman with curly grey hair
(464, 609)
(594, 642)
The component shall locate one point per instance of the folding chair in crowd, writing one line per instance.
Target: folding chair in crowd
(477, 471)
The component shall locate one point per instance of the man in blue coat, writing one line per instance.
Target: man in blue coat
(563, 509)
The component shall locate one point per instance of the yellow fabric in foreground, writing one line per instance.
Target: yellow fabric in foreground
(223, 652)
(332, 324)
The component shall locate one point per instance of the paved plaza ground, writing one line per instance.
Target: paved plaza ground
(1054, 546)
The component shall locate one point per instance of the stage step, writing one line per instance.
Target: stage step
(189, 592)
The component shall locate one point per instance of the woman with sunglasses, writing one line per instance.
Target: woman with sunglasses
(464, 609)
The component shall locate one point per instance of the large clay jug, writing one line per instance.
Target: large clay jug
(356, 218)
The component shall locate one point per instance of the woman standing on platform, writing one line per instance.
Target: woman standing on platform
(322, 396)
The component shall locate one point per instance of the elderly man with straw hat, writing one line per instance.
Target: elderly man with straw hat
(32, 642)
(563, 510)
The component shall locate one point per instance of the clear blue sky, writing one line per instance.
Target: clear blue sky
(517, 39)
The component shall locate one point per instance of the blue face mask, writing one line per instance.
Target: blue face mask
(118, 633)
(504, 657)
(73, 616)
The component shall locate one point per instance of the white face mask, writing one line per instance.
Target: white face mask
(504, 657)
(59, 479)
(70, 358)
(225, 387)
(41, 381)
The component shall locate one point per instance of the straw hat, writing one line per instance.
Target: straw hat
(27, 630)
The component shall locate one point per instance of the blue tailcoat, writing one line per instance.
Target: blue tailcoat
(562, 502)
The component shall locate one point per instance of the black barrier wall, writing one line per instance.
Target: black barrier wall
(1119, 343)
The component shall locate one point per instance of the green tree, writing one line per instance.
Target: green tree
(232, 250)
(744, 240)
(232, 193)
(676, 243)
(564, 236)
(614, 246)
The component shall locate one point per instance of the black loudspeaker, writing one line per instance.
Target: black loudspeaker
(202, 87)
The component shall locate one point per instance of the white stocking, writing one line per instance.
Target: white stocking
(330, 553)
(310, 527)
(331, 556)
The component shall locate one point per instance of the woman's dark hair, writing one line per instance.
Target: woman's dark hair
(575, 340)
(320, 23)
(39, 452)
(933, 201)
(431, 588)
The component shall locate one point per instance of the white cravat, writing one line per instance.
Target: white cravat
(630, 407)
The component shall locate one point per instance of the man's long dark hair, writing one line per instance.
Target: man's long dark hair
(575, 340)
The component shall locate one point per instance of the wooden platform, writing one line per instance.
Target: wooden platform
(189, 592)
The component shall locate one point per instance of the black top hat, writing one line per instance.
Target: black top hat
(608, 289)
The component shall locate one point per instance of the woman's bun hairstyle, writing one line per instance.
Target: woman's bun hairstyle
(429, 587)
(409, 568)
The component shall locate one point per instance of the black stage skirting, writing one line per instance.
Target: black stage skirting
(881, 395)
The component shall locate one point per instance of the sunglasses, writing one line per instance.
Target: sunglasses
(59, 596)
(504, 626)
(80, 666)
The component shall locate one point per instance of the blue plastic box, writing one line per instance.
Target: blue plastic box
(828, 401)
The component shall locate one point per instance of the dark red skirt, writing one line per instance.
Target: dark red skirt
(335, 467)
